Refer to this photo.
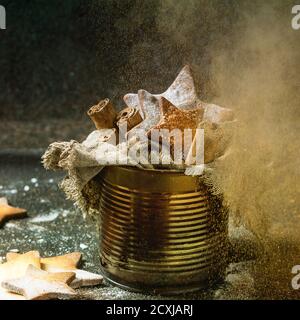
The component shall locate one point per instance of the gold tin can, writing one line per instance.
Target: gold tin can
(161, 231)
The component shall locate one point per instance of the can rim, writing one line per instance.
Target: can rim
(133, 168)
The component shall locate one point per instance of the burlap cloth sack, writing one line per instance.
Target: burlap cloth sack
(84, 161)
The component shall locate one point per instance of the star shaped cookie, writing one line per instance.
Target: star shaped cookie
(8, 212)
(66, 263)
(172, 118)
(37, 284)
(181, 93)
(17, 268)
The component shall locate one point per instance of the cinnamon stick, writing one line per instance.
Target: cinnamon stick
(103, 114)
(129, 115)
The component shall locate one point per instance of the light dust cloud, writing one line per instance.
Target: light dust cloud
(259, 77)
(250, 61)
(251, 64)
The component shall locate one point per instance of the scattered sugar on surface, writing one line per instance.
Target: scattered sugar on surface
(46, 217)
(12, 225)
(65, 213)
(9, 191)
(83, 246)
(35, 228)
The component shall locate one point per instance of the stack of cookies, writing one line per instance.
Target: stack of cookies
(29, 277)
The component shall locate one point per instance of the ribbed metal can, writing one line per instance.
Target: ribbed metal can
(161, 231)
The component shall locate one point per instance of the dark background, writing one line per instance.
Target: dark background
(57, 58)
